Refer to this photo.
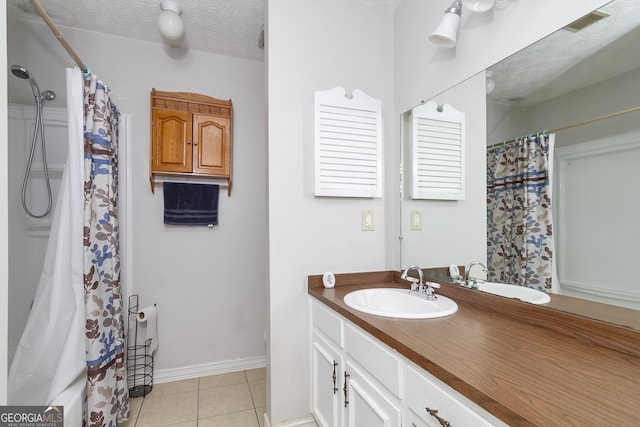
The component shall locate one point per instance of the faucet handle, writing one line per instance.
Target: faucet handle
(430, 286)
(415, 283)
(433, 285)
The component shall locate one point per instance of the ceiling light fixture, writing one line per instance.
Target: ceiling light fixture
(169, 21)
(447, 31)
(491, 83)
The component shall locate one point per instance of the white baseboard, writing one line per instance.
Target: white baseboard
(300, 422)
(204, 369)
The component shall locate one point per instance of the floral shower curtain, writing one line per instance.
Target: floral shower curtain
(107, 393)
(519, 230)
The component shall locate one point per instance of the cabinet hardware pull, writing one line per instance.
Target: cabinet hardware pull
(188, 141)
(346, 388)
(335, 376)
(442, 421)
(195, 142)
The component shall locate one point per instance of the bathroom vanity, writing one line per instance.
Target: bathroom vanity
(494, 362)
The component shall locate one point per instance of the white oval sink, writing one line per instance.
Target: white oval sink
(522, 293)
(399, 303)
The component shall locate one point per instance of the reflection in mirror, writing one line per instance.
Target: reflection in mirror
(419, 224)
(585, 85)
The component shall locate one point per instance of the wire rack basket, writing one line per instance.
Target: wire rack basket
(139, 355)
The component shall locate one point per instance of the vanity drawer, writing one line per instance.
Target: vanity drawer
(327, 322)
(424, 391)
(376, 358)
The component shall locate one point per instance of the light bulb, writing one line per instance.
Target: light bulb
(169, 21)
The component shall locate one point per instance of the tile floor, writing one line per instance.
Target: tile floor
(236, 399)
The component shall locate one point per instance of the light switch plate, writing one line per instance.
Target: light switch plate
(416, 220)
(368, 220)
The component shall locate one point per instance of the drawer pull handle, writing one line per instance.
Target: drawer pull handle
(335, 376)
(442, 421)
(346, 388)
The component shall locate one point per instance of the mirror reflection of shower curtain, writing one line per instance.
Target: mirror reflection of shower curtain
(519, 218)
(51, 352)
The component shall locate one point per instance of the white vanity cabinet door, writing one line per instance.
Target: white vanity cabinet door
(327, 380)
(366, 402)
(425, 391)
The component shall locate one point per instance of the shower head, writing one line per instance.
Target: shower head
(20, 71)
(23, 73)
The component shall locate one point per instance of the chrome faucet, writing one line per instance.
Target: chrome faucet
(473, 283)
(417, 285)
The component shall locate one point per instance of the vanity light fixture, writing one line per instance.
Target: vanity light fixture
(169, 21)
(446, 33)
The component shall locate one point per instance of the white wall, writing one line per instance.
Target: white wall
(505, 122)
(210, 285)
(316, 45)
(4, 235)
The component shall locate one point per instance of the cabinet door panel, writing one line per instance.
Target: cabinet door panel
(212, 145)
(368, 406)
(171, 141)
(327, 398)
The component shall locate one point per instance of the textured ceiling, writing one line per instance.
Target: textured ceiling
(227, 27)
(567, 61)
(230, 27)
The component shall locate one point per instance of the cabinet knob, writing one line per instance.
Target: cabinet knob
(195, 142)
(188, 141)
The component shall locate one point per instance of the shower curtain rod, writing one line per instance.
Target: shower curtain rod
(574, 125)
(43, 13)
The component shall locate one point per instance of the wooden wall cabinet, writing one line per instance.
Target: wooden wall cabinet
(190, 137)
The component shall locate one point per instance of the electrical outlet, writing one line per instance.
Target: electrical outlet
(368, 220)
(416, 220)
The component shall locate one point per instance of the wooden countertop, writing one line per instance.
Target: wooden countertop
(569, 371)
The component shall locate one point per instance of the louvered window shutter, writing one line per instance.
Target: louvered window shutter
(438, 139)
(348, 144)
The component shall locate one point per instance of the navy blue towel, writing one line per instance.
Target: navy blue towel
(190, 204)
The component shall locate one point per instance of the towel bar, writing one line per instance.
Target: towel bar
(226, 184)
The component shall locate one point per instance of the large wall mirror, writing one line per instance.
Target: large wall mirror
(582, 84)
